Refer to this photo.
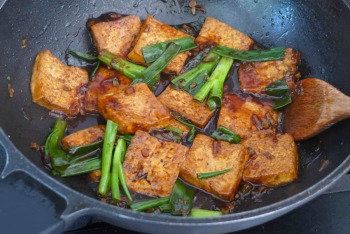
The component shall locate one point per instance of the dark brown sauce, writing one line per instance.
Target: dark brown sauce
(247, 192)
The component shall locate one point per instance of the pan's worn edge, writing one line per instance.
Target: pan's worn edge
(2, 3)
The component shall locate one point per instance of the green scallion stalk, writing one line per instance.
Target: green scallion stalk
(173, 129)
(115, 169)
(196, 84)
(132, 71)
(97, 66)
(181, 199)
(205, 67)
(191, 134)
(250, 55)
(207, 175)
(83, 166)
(107, 149)
(196, 60)
(215, 84)
(123, 182)
(152, 52)
(151, 74)
(225, 134)
(148, 204)
(85, 56)
(59, 158)
(202, 213)
(164, 208)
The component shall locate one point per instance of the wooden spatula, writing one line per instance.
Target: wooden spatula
(318, 106)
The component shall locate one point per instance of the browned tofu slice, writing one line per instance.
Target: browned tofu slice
(208, 155)
(274, 161)
(116, 36)
(133, 108)
(182, 103)
(254, 77)
(104, 81)
(151, 166)
(84, 137)
(55, 85)
(245, 116)
(223, 34)
(153, 32)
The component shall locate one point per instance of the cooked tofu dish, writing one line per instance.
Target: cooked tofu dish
(169, 123)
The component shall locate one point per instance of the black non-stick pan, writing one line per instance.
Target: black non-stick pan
(318, 29)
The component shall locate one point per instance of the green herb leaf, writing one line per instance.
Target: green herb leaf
(181, 199)
(277, 89)
(148, 204)
(59, 158)
(84, 149)
(207, 175)
(287, 99)
(152, 52)
(151, 74)
(83, 166)
(224, 134)
(250, 55)
(84, 56)
(173, 129)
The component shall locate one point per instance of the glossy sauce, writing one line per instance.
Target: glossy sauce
(247, 193)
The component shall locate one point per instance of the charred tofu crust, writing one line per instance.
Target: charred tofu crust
(245, 116)
(153, 32)
(208, 155)
(274, 161)
(254, 77)
(102, 83)
(151, 166)
(223, 34)
(84, 137)
(133, 108)
(116, 36)
(55, 86)
(182, 103)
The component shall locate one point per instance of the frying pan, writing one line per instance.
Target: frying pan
(318, 29)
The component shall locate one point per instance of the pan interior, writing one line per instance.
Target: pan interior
(315, 28)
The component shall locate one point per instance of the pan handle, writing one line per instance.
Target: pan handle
(71, 210)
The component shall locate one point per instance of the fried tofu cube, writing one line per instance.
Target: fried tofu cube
(223, 34)
(153, 32)
(84, 137)
(254, 77)
(207, 155)
(151, 166)
(133, 108)
(55, 86)
(116, 36)
(182, 103)
(102, 83)
(245, 116)
(274, 161)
